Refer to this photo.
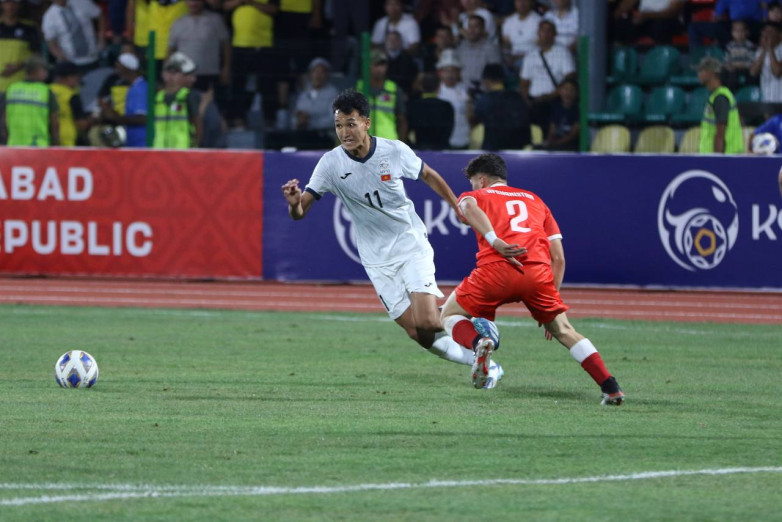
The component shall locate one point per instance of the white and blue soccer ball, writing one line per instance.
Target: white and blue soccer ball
(76, 369)
(764, 143)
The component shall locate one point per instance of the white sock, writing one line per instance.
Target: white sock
(446, 348)
(582, 349)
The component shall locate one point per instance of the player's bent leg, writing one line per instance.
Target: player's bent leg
(585, 353)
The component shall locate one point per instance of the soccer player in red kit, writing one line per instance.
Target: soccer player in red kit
(520, 259)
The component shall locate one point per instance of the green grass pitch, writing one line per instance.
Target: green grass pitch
(228, 415)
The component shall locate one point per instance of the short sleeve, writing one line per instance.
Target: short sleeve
(49, 27)
(550, 226)
(411, 164)
(319, 182)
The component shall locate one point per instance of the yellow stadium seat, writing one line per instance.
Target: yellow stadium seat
(476, 137)
(656, 139)
(537, 134)
(611, 139)
(690, 142)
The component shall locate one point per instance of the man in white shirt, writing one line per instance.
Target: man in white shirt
(564, 16)
(454, 92)
(69, 31)
(520, 32)
(396, 20)
(543, 70)
(768, 64)
(365, 173)
(470, 8)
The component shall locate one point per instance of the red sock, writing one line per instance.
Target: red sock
(464, 333)
(595, 368)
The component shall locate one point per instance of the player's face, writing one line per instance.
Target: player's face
(351, 130)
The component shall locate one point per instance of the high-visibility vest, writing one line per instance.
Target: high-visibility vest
(382, 107)
(734, 142)
(172, 121)
(68, 132)
(27, 114)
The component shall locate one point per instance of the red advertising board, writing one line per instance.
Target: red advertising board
(131, 213)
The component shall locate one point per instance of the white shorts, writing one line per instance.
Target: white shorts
(394, 283)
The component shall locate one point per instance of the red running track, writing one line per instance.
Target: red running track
(729, 307)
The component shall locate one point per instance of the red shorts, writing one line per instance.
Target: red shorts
(490, 286)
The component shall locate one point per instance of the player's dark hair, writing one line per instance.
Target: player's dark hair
(489, 163)
(351, 100)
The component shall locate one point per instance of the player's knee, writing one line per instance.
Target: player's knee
(431, 324)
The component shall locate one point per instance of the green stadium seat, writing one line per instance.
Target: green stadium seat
(624, 65)
(689, 77)
(623, 104)
(663, 103)
(659, 139)
(691, 141)
(658, 65)
(750, 93)
(693, 109)
(611, 139)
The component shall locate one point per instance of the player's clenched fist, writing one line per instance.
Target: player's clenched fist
(292, 192)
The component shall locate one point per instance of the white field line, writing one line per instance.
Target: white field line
(678, 301)
(129, 491)
(221, 315)
(340, 304)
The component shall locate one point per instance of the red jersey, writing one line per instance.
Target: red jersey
(518, 217)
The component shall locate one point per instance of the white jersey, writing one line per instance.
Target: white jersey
(386, 227)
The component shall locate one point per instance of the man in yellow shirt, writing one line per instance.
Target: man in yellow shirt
(253, 38)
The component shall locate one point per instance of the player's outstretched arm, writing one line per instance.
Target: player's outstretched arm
(479, 221)
(439, 185)
(298, 202)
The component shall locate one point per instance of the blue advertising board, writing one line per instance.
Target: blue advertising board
(650, 221)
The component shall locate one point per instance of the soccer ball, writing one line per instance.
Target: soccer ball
(764, 143)
(76, 369)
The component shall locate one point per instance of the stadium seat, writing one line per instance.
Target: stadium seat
(656, 139)
(690, 142)
(537, 134)
(624, 64)
(692, 112)
(623, 104)
(663, 103)
(689, 77)
(611, 139)
(476, 137)
(658, 65)
(750, 93)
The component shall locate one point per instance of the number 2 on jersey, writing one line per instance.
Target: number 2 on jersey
(518, 210)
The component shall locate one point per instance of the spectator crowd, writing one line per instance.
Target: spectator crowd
(443, 73)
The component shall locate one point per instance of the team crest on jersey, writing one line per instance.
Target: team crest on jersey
(385, 170)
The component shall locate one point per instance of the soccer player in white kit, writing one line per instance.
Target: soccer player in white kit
(365, 173)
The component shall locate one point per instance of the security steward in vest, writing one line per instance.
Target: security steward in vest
(387, 102)
(29, 111)
(179, 112)
(720, 126)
